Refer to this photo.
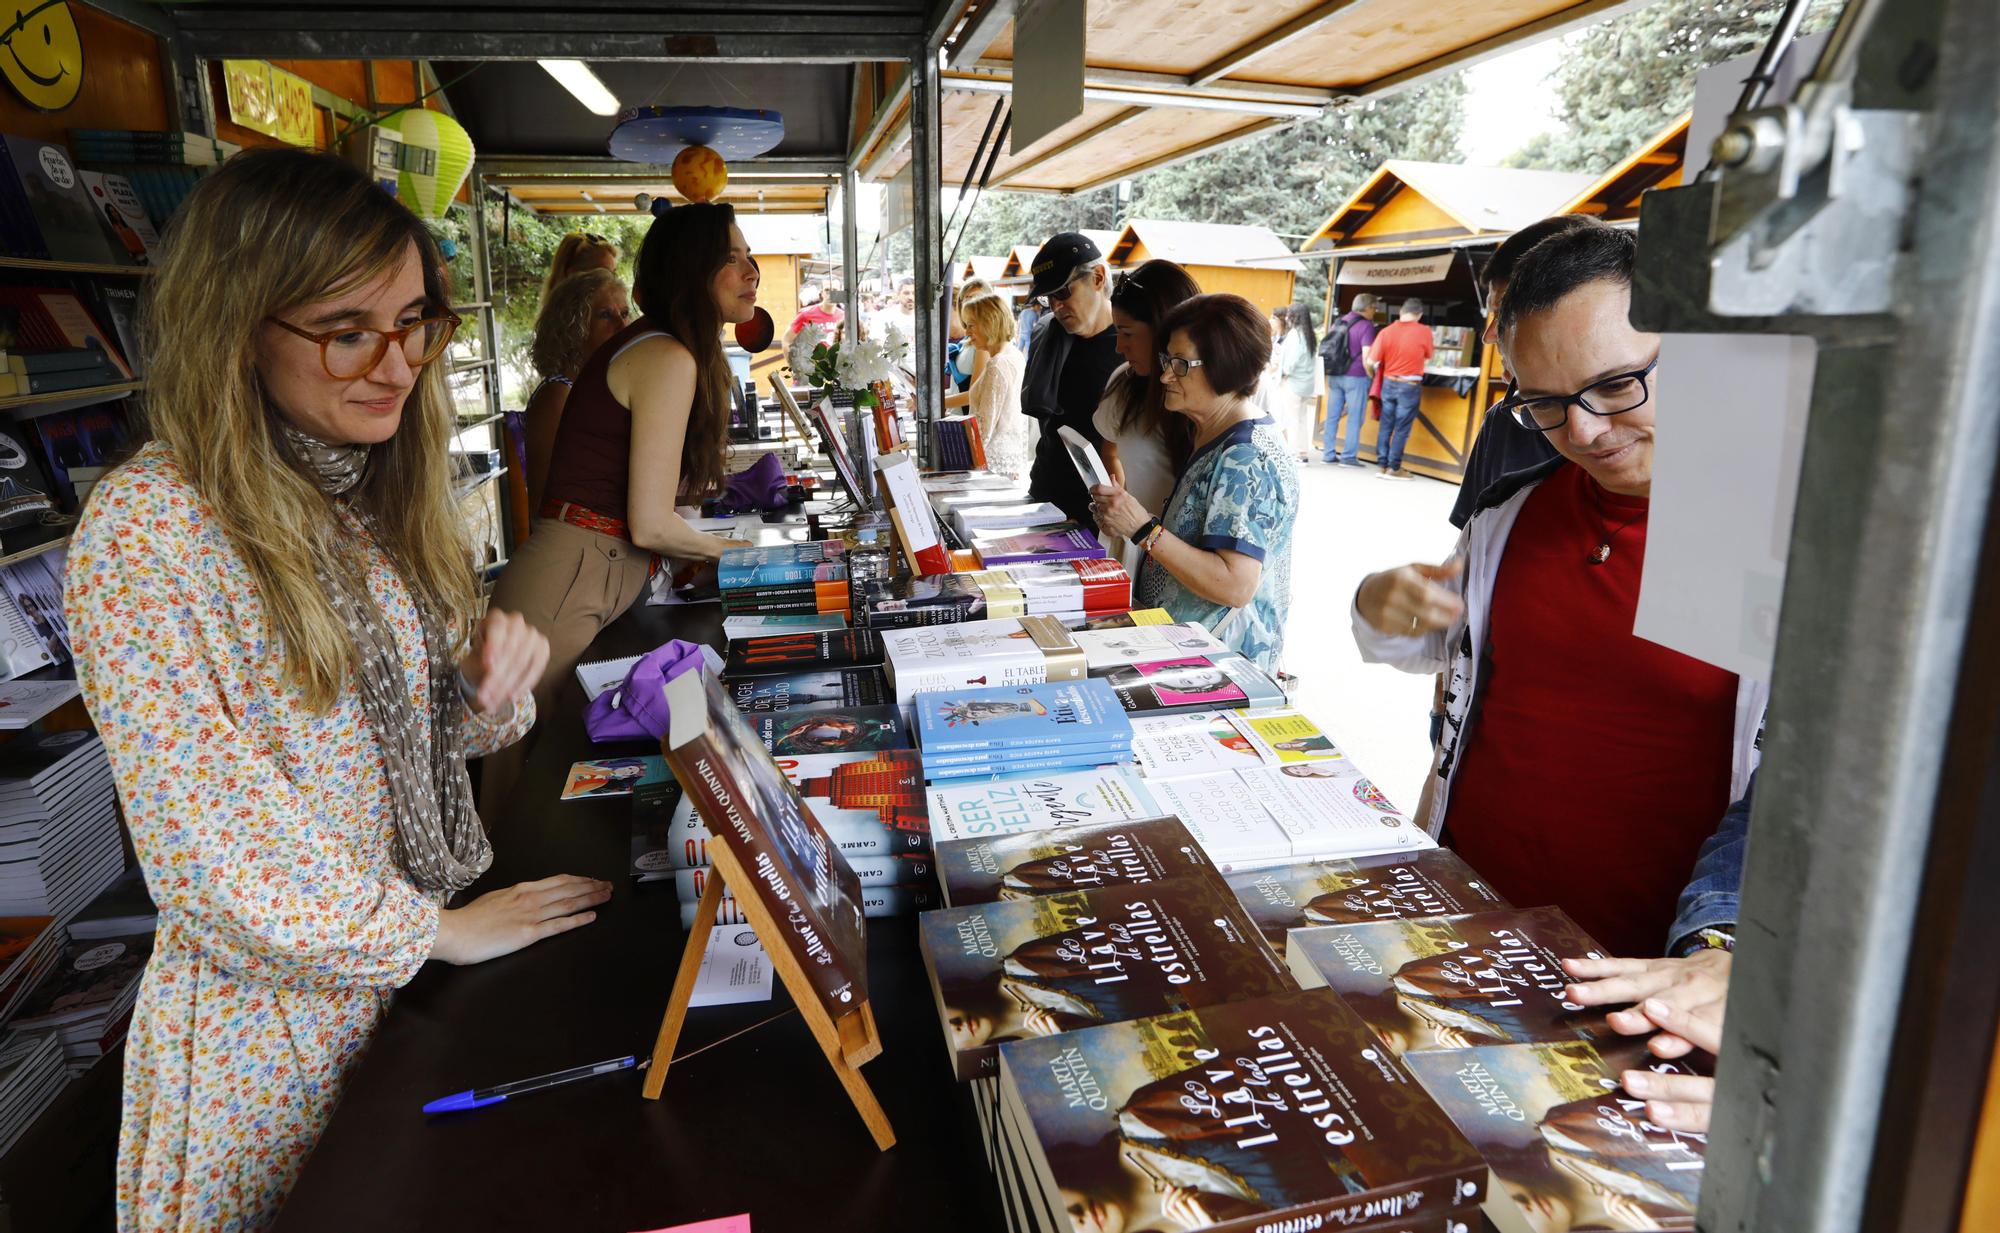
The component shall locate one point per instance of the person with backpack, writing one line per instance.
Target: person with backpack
(1347, 336)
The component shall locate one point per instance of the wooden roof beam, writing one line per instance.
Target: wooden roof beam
(1298, 27)
(1180, 156)
(1061, 148)
(1192, 100)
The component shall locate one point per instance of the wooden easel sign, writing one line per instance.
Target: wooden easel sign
(795, 888)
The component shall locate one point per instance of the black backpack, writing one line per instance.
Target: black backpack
(1334, 352)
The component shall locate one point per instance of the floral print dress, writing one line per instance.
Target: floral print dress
(265, 836)
(1241, 492)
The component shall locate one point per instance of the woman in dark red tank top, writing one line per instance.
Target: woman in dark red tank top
(646, 424)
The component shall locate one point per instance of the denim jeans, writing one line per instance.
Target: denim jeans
(1349, 394)
(1399, 415)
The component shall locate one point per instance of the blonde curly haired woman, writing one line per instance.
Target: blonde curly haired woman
(575, 253)
(579, 316)
(277, 632)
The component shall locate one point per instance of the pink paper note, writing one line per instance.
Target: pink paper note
(728, 1224)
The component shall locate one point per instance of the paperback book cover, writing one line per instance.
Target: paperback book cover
(913, 600)
(1006, 651)
(40, 175)
(1192, 683)
(836, 689)
(1569, 1147)
(854, 730)
(1451, 982)
(1271, 1114)
(1108, 648)
(869, 804)
(755, 625)
(1042, 966)
(1068, 858)
(1284, 736)
(1329, 809)
(968, 518)
(787, 564)
(797, 873)
(1029, 762)
(1014, 718)
(1190, 743)
(1009, 806)
(782, 653)
(1357, 890)
(1086, 585)
(601, 777)
(1066, 543)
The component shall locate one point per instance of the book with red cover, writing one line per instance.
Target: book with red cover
(1041, 966)
(1450, 982)
(753, 810)
(1278, 1113)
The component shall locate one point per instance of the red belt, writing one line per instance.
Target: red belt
(590, 520)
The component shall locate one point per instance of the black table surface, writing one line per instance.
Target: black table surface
(757, 1124)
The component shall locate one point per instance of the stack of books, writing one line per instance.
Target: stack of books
(807, 578)
(88, 1002)
(1062, 542)
(1005, 651)
(884, 597)
(29, 947)
(31, 1077)
(163, 167)
(58, 824)
(959, 444)
(972, 517)
(1017, 729)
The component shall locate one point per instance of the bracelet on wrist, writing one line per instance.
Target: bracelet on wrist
(1715, 937)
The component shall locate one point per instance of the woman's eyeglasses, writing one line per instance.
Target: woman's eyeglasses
(1175, 366)
(354, 352)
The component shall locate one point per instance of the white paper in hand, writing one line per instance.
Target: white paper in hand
(1083, 455)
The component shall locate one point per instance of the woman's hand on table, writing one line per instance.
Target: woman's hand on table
(1411, 599)
(504, 921)
(505, 662)
(1117, 510)
(1682, 1002)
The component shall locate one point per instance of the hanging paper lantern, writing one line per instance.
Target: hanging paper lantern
(431, 195)
(699, 174)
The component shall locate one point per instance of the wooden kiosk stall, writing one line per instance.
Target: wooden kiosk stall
(1248, 261)
(1422, 230)
(1660, 163)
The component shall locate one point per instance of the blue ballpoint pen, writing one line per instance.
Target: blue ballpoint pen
(479, 1097)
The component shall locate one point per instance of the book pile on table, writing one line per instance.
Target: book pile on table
(1015, 729)
(31, 1077)
(808, 578)
(87, 1003)
(29, 948)
(884, 597)
(59, 829)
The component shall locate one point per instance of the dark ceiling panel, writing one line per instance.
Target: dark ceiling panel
(513, 107)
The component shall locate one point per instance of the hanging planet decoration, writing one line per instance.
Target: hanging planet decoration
(430, 195)
(699, 174)
(698, 141)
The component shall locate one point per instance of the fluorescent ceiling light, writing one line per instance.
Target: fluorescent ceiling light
(576, 77)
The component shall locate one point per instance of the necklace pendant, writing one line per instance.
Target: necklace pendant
(1601, 554)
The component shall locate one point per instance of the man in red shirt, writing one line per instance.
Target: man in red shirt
(820, 310)
(1398, 356)
(1581, 765)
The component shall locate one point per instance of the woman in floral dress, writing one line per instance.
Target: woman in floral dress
(1221, 551)
(276, 632)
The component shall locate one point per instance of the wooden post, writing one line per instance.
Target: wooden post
(846, 1045)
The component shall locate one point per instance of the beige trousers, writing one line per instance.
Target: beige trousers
(568, 583)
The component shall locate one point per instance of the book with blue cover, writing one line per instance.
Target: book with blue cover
(819, 560)
(1113, 751)
(1055, 760)
(1020, 717)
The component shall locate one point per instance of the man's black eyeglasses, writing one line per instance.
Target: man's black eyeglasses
(1614, 395)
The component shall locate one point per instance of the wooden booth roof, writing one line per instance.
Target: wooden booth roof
(1167, 80)
(1199, 244)
(1408, 202)
(1660, 163)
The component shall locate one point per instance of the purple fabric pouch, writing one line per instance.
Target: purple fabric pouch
(637, 710)
(760, 486)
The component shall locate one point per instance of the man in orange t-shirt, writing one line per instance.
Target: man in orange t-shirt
(1398, 354)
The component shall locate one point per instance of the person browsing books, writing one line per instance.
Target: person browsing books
(1145, 447)
(576, 252)
(1220, 552)
(1580, 765)
(277, 634)
(995, 395)
(646, 425)
(579, 316)
(1068, 366)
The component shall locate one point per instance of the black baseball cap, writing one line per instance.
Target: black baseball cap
(1058, 261)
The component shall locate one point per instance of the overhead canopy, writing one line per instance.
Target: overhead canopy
(1414, 203)
(1660, 163)
(1166, 80)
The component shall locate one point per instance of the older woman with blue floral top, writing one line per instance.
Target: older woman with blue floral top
(1221, 551)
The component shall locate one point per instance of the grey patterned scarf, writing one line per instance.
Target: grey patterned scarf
(439, 841)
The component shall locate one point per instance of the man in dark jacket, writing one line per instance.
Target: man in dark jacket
(1068, 367)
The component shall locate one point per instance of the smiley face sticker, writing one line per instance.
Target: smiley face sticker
(41, 53)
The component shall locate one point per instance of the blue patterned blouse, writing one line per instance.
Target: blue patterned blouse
(1241, 492)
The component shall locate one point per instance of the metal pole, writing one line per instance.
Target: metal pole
(850, 243)
(927, 195)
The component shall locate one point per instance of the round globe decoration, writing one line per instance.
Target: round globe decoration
(699, 174)
(659, 134)
(430, 195)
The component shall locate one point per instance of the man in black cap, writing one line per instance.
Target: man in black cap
(1068, 367)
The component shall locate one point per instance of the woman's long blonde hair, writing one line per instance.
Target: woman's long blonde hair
(563, 325)
(267, 233)
(572, 252)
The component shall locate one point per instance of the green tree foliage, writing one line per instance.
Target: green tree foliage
(520, 260)
(1624, 80)
(1289, 180)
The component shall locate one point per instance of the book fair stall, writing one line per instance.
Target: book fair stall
(951, 891)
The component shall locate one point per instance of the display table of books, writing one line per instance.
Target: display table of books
(1133, 947)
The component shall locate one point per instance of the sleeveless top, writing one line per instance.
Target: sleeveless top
(591, 463)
